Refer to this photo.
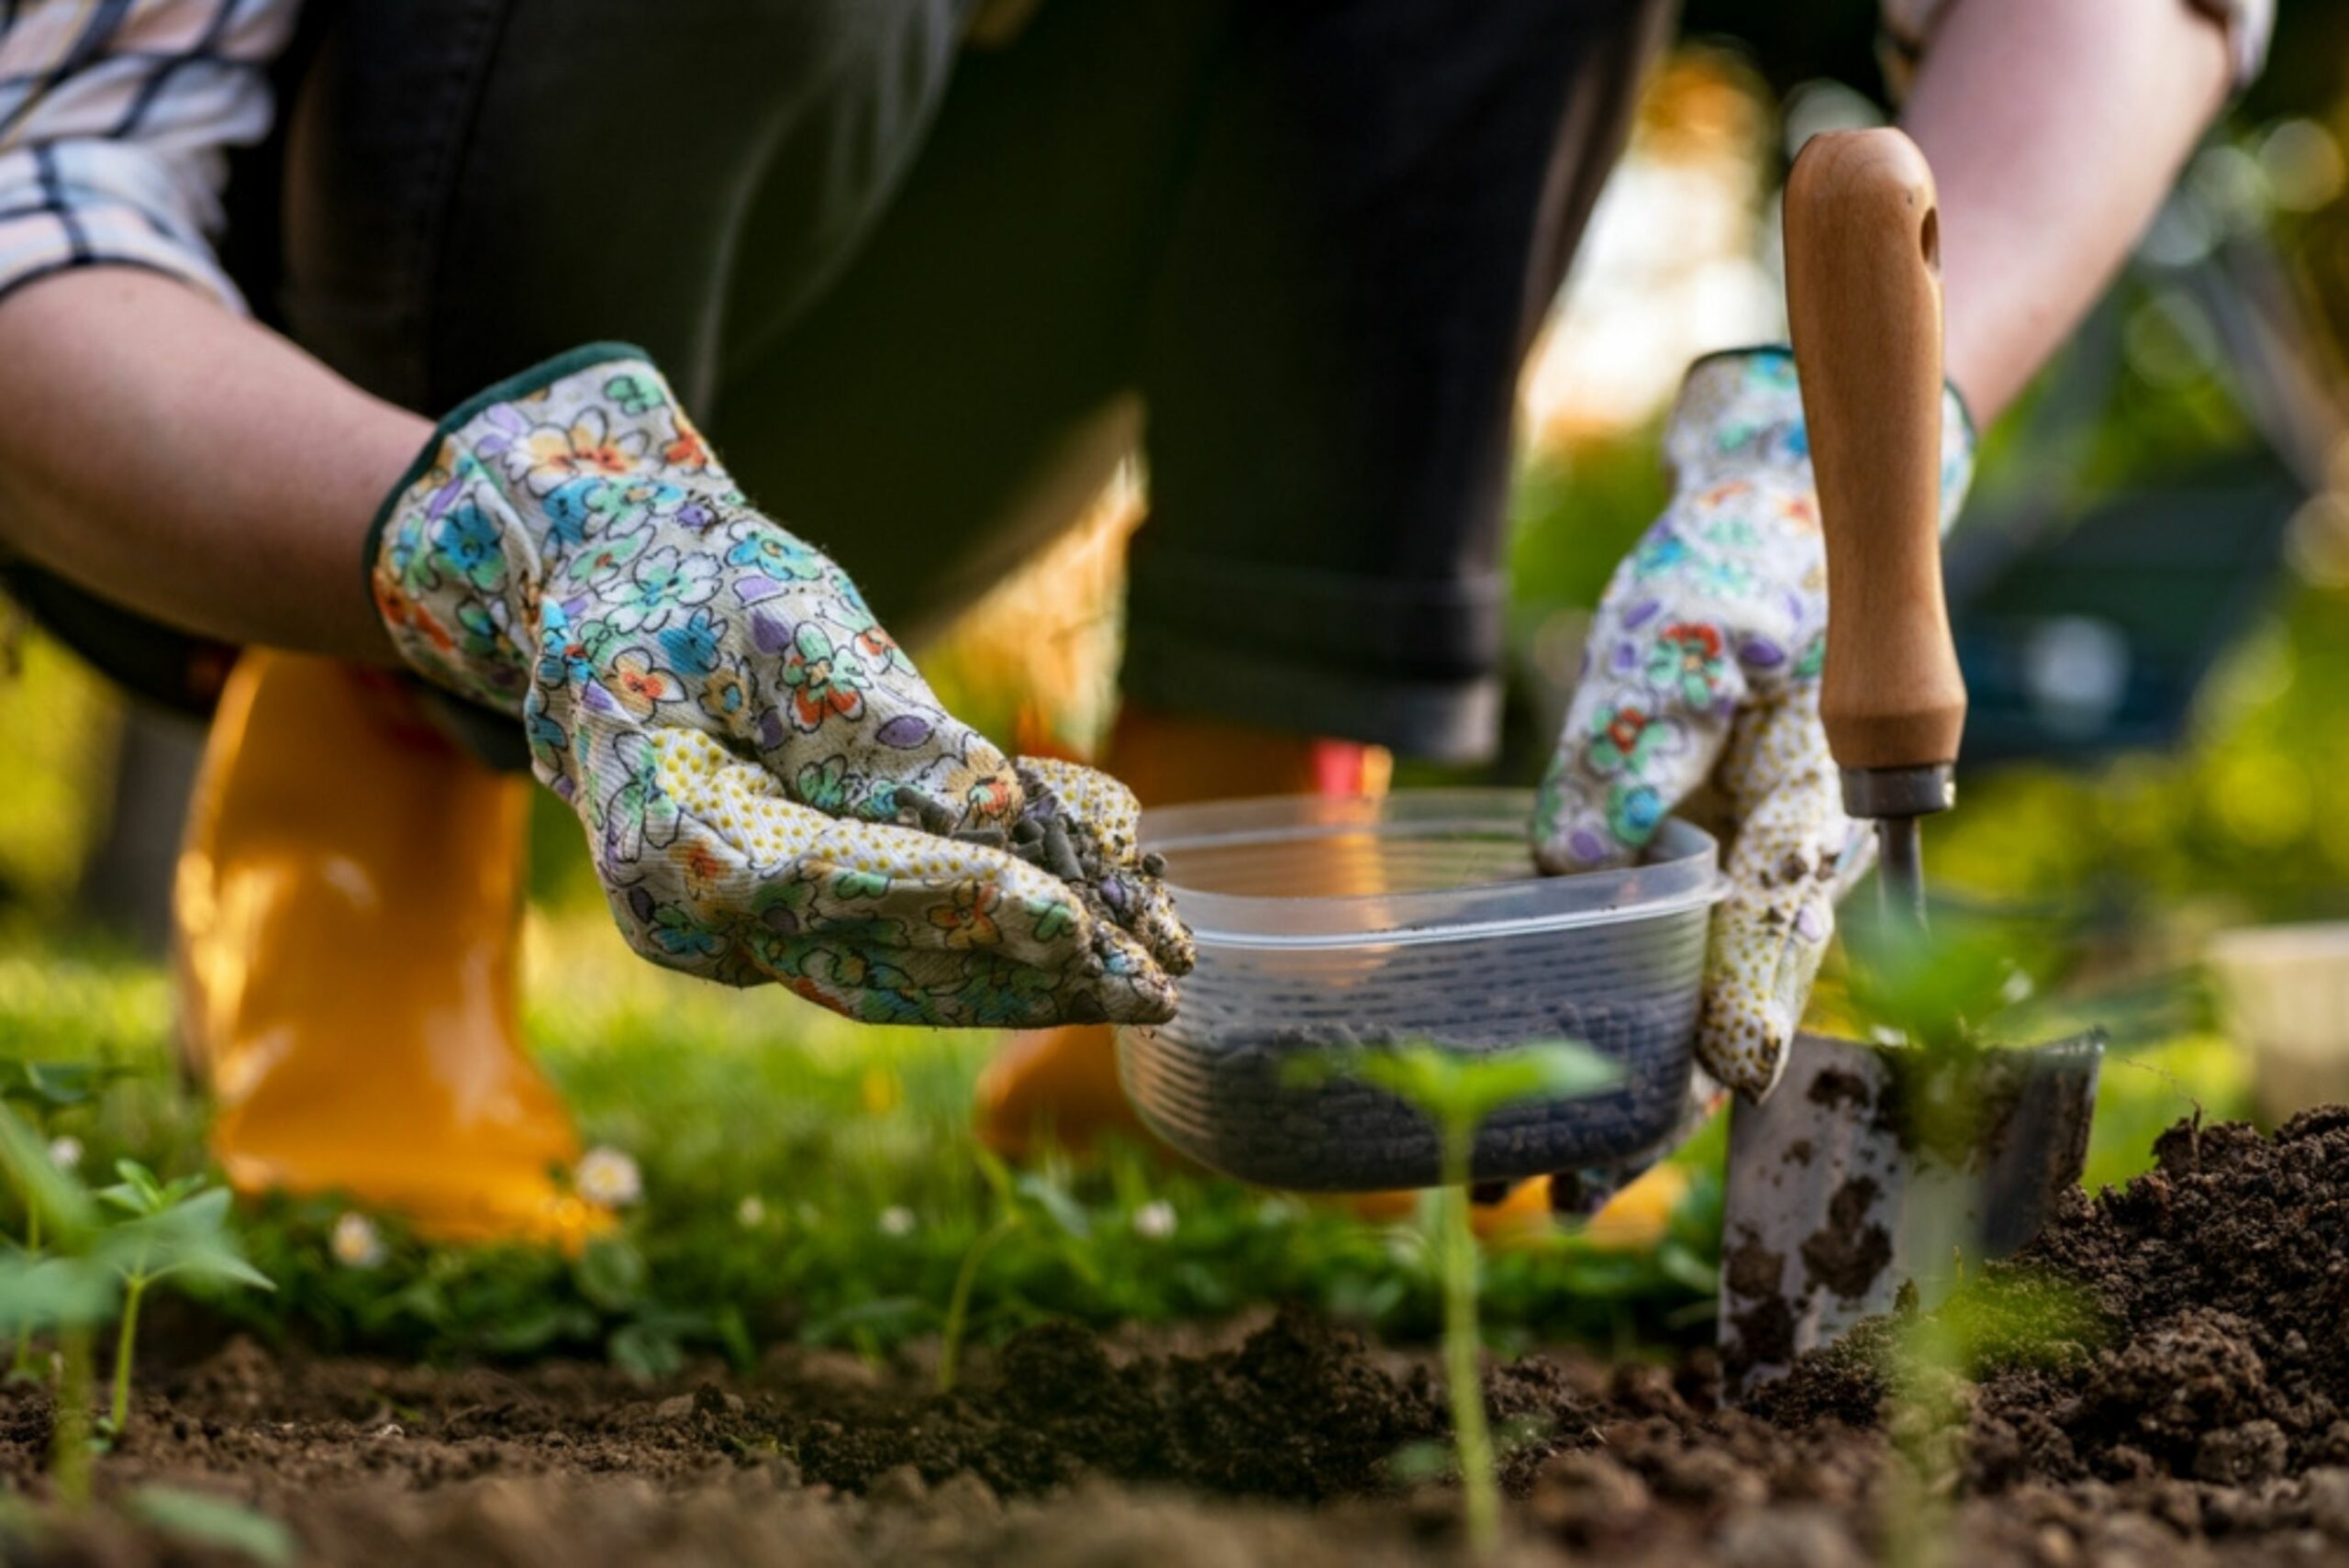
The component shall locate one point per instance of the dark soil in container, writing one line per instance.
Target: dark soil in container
(2185, 1399)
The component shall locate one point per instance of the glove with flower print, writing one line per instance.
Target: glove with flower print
(1703, 666)
(770, 790)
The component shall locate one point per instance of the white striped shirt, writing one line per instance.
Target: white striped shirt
(116, 117)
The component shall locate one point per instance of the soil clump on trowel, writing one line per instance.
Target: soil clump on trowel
(2167, 1385)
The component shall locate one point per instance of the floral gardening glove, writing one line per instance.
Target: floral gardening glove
(770, 790)
(1703, 665)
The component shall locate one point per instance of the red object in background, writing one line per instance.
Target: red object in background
(1349, 767)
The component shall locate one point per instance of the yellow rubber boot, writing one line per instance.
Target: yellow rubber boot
(1633, 1219)
(1516, 1211)
(1061, 1086)
(348, 915)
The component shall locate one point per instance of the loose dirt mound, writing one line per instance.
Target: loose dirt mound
(2184, 1398)
(2217, 1347)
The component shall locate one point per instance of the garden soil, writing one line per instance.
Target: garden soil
(2182, 1397)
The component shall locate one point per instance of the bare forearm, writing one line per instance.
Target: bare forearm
(190, 465)
(2054, 127)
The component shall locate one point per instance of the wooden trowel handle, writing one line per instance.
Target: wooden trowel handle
(1864, 297)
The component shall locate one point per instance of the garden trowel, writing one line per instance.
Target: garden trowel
(1840, 1198)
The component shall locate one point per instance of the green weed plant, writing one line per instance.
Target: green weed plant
(1458, 1091)
(99, 1255)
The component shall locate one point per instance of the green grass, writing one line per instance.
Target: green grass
(805, 1179)
(808, 1179)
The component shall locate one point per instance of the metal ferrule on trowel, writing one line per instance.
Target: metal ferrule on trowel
(1835, 1209)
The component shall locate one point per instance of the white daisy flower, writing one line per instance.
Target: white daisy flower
(356, 1244)
(1154, 1221)
(607, 1177)
(65, 1153)
(896, 1221)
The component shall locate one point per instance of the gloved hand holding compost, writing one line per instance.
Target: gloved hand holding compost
(1703, 665)
(770, 791)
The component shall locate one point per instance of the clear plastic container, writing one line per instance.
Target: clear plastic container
(1329, 923)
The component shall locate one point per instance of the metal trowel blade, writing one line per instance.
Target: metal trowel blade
(1835, 1206)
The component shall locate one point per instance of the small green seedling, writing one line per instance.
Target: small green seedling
(37, 1291)
(2007, 1319)
(214, 1524)
(1458, 1091)
(1956, 987)
(104, 1252)
(649, 1336)
(1030, 1202)
(39, 1090)
(1954, 995)
(1957, 996)
(166, 1229)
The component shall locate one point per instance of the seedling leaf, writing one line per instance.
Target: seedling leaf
(56, 1086)
(63, 1205)
(1419, 1463)
(998, 1175)
(1458, 1090)
(610, 1273)
(1940, 988)
(644, 1351)
(200, 1519)
(189, 1240)
(46, 1292)
(1057, 1205)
